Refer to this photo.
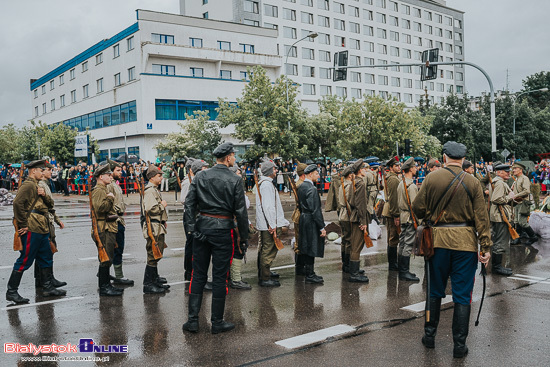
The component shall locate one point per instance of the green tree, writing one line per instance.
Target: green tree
(540, 100)
(9, 152)
(56, 141)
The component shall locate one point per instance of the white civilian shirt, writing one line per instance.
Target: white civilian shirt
(271, 205)
(184, 189)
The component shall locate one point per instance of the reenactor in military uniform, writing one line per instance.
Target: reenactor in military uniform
(522, 209)
(344, 216)
(433, 165)
(312, 225)
(155, 208)
(372, 187)
(30, 210)
(103, 201)
(120, 209)
(463, 224)
(359, 203)
(391, 211)
(407, 237)
(500, 196)
(468, 167)
(52, 218)
(299, 268)
(215, 201)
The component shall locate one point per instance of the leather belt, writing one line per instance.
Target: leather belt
(218, 216)
(38, 212)
(461, 224)
(157, 221)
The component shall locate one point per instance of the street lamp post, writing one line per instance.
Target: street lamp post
(311, 36)
(517, 97)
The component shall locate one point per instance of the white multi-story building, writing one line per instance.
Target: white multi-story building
(373, 31)
(141, 82)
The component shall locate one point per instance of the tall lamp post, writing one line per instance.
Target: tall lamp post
(517, 97)
(310, 36)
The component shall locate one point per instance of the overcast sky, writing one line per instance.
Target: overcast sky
(39, 35)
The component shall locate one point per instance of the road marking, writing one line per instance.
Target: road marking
(41, 303)
(178, 249)
(176, 283)
(128, 256)
(532, 281)
(283, 267)
(175, 221)
(6, 267)
(528, 276)
(371, 253)
(421, 306)
(315, 336)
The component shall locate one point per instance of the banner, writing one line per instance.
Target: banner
(81, 146)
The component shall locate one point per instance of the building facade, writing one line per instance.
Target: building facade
(132, 89)
(373, 31)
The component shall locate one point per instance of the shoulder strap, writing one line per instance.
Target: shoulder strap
(461, 175)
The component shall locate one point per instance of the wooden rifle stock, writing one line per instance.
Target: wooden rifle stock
(278, 243)
(511, 229)
(17, 244)
(21, 171)
(103, 257)
(156, 251)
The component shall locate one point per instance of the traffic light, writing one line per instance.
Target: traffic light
(429, 72)
(407, 147)
(500, 142)
(340, 63)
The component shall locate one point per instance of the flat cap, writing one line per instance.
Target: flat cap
(152, 171)
(310, 168)
(102, 170)
(267, 168)
(197, 165)
(467, 164)
(113, 164)
(502, 167)
(348, 170)
(300, 168)
(454, 150)
(517, 164)
(36, 164)
(357, 165)
(188, 162)
(392, 161)
(408, 164)
(223, 150)
(433, 163)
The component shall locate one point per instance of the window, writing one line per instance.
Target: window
(85, 91)
(381, 3)
(368, 30)
(458, 37)
(36, 93)
(394, 6)
(197, 72)
(271, 25)
(440, 87)
(71, 74)
(407, 83)
(291, 69)
(84, 66)
(394, 36)
(368, 14)
(195, 42)
(417, 26)
(427, 15)
(405, 9)
(448, 47)
(116, 51)
(326, 90)
(308, 54)
(368, 61)
(162, 38)
(224, 45)
(340, 41)
(369, 46)
(225, 74)
(244, 75)
(355, 44)
(289, 32)
(324, 39)
(395, 82)
(382, 80)
(342, 92)
(100, 85)
(307, 18)
(247, 48)
(459, 89)
(408, 98)
(418, 41)
(355, 76)
(52, 104)
(164, 69)
(356, 93)
(439, 18)
(406, 24)
(354, 27)
(205, 15)
(449, 21)
(381, 18)
(381, 33)
(251, 22)
(324, 56)
(417, 12)
(439, 32)
(132, 73)
(43, 108)
(339, 24)
(98, 58)
(325, 73)
(289, 14)
(407, 54)
(369, 78)
(430, 44)
(458, 23)
(62, 79)
(307, 2)
(308, 71)
(459, 50)
(291, 51)
(130, 43)
(204, 2)
(339, 8)
(323, 4)
(394, 51)
(383, 94)
(354, 61)
(439, 45)
(449, 35)
(117, 79)
(35, 111)
(459, 76)
(370, 92)
(382, 49)
(271, 11)
(73, 96)
(251, 6)
(323, 21)
(309, 89)
(354, 11)
(450, 74)
(428, 29)
(394, 21)
(52, 84)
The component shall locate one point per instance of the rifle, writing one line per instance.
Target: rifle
(156, 251)
(415, 223)
(21, 171)
(366, 237)
(103, 257)
(278, 243)
(511, 229)
(294, 189)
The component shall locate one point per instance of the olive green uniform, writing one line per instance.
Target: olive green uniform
(157, 213)
(360, 204)
(499, 229)
(408, 233)
(106, 216)
(391, 208)
(52, 216)
(344, 218)
(522, 190)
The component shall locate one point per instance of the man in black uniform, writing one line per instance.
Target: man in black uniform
(217, 196)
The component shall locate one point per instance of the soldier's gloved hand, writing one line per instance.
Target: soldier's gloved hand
(199, 236)
(244, 245)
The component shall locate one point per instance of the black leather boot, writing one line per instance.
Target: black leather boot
(532, 236)
(48, 290)
(37, 281)
(219, 325)
(311, 277)
(404, 273)
(149, 284)
(461, 323)
(105, 287)
(354, 275)
(193, 309)
(158, 280)
(299, 267)
(497, 266)
(13, 286)
(392, 259)
(57, 283)
(345, 263)
(430, 328)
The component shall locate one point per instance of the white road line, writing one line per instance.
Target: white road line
(176, 283)
(371, 253)
(6, 267)
(283, 267)
(315, 336)
(420, 306)
(532, 281)
(127, 256)
(528, 276)
(41, 303)
(178, 249)
(175, 221)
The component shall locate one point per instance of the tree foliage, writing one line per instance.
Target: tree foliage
(539, 100)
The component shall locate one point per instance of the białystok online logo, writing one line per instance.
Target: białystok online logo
(84, 346)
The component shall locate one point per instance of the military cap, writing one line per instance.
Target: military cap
(36, 164)
(502, 167)
(48, 164)
(348, 170)
(310, 168)
(433, 163)
(197, 165)
(152, 171)
(223, 150)
(357, 165)
(517, 164)
(300, 168)
(102, 170)
(467, 164)
(113, 164)
(408, 164)
(454, 150)
(374, 164)
(267, 168)
(393, 161)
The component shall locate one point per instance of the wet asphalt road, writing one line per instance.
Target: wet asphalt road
(514, 328)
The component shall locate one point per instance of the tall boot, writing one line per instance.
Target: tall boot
(119, 276)
(345, 263)
(404, 273)
(48, 289)
(461, 323)
(517, 241)
(430, 328)
(497, 266)
(311, 277)
(158, 280)
(299, 267)
(237, 281)
(392, 259)
(532, 236)
(105, 288)
(219, 325)
(13, 286)
(149, 285)
(37, 281)
(193, 309)
(57, 283)
(354, 275)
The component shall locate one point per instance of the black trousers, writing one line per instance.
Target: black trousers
(218, 245)
(119, 250)
(188, 257)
